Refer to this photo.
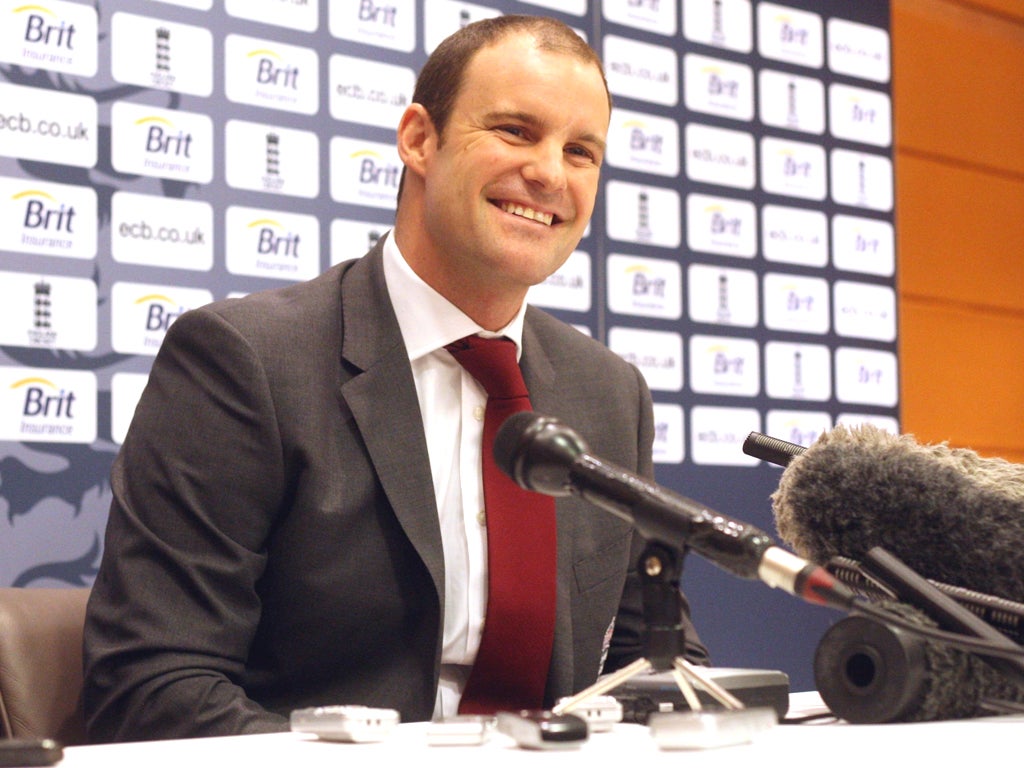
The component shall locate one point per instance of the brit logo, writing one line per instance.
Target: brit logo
(45, 218)
(47, 405)
(161, 142)
(271, 74)
(54, 35)
(380, 23)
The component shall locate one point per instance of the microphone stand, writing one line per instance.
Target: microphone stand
(660, 567)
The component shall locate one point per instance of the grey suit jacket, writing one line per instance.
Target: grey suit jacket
(273, 541)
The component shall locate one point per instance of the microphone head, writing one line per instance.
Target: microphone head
(949, 514)
(538, 452)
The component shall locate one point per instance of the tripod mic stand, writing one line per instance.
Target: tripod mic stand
(660, 568)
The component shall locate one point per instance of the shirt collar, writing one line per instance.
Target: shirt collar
(427, 319)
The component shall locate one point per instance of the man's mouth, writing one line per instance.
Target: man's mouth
(542, 217)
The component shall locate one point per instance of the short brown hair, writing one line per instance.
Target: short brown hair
(441, 77)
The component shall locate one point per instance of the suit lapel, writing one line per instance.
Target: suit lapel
(381, 394)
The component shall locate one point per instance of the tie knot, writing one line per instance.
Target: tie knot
(493, 363)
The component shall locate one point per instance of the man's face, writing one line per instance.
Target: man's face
(511, 185)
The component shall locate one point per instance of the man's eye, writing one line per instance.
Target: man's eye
(580, 152)
(514, 130)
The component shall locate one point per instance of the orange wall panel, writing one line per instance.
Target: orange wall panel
(956, 77)
(958, 116)
(959, 233)
(961, 376)
(1014, 9)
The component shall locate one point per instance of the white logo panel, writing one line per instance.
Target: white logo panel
(717, 435)
(141, 314)
(275, 244)
(718, 87)
(799, 427)
(658, 355)
(645, 287)
(721, 225)
(267, 73)
(47, 405)
(866, 376)
(797, 371)
(161, 231)
(52, 35)
(294, 14)
(722, 365)
(793, 168)
(862, 180)
(857, 114)
(125, 391)
(864, 311)
(369, 92)
(650, 15)
(573, 7)
(863, 245)
(720, 156)
(48, 219)
(365, 172)
(269, 158)
(669, 434)
(795, 235)
(645, 143)
(199, 5)
(41, 124)
(791, 35)
(722, 296)
(641, 71)
(165, 143)
(722, 23)
(792, 102)
(858, 50)
(351, 238)
(570, 287)
(643, 214)
(795, 303)
(887, 423)
(50, 311)
(443, 17)
(380, 23)
(155, 53)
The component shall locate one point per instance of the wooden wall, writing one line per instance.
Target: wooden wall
(958, 89)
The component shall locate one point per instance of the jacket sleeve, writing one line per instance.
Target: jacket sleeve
(195, 489)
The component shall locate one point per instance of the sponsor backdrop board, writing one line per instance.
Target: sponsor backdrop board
(156, 155)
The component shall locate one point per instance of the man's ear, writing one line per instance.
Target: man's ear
(416, 139)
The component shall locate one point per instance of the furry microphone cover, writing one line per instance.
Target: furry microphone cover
(950, 514)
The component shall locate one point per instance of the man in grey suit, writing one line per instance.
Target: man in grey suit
(296, 506)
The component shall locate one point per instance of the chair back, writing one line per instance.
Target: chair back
(41, 663)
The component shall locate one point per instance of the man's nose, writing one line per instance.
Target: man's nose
(546, 166)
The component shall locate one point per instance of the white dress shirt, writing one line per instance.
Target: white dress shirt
(452, 406)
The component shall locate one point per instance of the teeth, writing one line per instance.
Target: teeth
(528, 213)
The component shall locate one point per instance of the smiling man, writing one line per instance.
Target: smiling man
(499, 190)
(314, 530)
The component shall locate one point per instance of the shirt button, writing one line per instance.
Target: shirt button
(478, 413)
(481, 518)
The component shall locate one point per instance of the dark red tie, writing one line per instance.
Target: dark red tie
(511, 666)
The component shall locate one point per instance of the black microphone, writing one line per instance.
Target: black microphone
(542, 454)
(949, 514)
(954, 519)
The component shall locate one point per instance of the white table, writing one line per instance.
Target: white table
(920, 745)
